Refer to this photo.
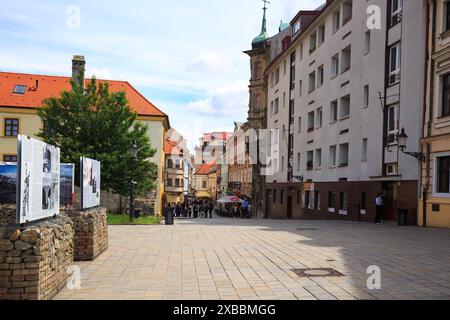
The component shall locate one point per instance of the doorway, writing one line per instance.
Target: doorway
(289, 207)
(389, 192)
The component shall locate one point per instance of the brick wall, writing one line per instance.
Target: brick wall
(34, 260)
(91, 233)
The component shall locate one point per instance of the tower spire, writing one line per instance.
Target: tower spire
(264, 22)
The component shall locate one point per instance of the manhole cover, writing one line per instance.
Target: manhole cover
(317, 272)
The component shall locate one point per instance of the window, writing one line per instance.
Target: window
(393, 124)
(336, 20)
(321, 34)
(443, 174)
(19, 89)
(394, 64)
(311, 121)
(363, 202)
(331, 201)
(277, 75)
(333, 111)
(335, 65)
(319, 118)
(299, 124)
(257, 70)
(320, 76)
(301, 52)
(445, 110)
(10, 158)
(282, 163)
(284, 67)
(367, 37)
(312, 81)
(299, 161)
(297, 27)
(204, 184)
(447, 16)
(317, 200)
(169, 182)
(271, 108)
(347, 9)
(310, 160)
(292, 77)
(177, 182)
(318, 159)
(277, 105)
(11, 127)
(300, 88)
(284, 99)
(364, 150)
(343, 155)
(256, 102)
(396, 11)
(312, 42)
(346, 59)
(345, 107)
(292, 112)
(343, 202)
(332, 159)
(366, 96)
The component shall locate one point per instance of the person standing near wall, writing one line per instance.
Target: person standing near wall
(379, 208)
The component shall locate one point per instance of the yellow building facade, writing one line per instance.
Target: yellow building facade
(435, 210)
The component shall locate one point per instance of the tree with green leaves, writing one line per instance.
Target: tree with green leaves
(98, 124)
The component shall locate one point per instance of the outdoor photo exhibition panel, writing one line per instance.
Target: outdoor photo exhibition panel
(90, 177)
(39, 184)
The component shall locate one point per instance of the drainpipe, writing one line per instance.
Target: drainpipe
(430, 108)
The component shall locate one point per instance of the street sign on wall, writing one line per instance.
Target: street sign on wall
(90, 183)
(38, 191)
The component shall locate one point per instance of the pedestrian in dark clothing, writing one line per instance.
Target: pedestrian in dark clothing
(211, 209)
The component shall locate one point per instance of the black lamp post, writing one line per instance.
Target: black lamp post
(422, 157)
(133, 154)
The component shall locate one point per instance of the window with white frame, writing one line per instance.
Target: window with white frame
(312, 81)
(347, 11)
(299, 124)
(300, 88)
(311, 121)
(319, 117)
(335, 65)
(332, 158)
(392, 123)
(445, 108)
(318, 158)
(345, 107)
(320, 76)
(366, 95)
(343, 155)
(336, 20)
(321, 34)
(277, 105)
(299, 159)
(364, 150)
(310, 160)
(312, 42)
(394, 63)
(333, 111)
(346, 59)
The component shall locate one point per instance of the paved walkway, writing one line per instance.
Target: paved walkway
(253, 259)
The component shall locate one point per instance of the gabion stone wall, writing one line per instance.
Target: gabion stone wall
(91, 233)
(34, 260)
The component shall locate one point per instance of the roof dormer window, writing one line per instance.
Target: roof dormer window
(19, 89)
(297, 27)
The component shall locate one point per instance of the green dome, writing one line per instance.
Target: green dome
(261, 38)
(283, 26)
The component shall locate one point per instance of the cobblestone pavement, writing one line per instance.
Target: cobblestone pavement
(253, 259)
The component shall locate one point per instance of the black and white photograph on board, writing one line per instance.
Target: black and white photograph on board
(90, 176)
(39, 183)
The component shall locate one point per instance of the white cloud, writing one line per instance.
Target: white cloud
(210, 62)
(230, 100)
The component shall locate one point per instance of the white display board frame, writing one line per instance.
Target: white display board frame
(90, 183)
(38, 180)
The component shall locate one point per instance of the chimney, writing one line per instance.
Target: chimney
(78, 68)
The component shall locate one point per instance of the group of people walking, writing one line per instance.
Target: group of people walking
(193, 209)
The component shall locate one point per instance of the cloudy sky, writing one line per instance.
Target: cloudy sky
(184, 56)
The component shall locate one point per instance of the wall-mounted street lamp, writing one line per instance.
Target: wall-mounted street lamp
(402, 143)
(133, 155)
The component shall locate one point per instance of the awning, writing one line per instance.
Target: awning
(203, 194)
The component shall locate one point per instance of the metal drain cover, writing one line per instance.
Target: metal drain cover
(317, 272)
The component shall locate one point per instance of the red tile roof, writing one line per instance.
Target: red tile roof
(204, 169)
(171, 148)
(41, 87)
